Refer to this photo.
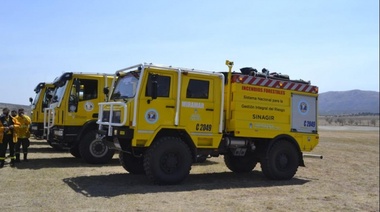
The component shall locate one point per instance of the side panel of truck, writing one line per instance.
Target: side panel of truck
(257, 113)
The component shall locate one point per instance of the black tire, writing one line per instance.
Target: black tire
(94, 151)
(168, 161)
(133, 165)
(240, 164)
(75, 151)
(281, 161)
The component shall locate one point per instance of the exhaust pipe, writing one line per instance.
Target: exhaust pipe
(312, 156)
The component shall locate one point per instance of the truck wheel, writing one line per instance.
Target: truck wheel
(133, 165)
(168, 161)
(75, 151)
(95, 151)
(240, 164)
(281, 161)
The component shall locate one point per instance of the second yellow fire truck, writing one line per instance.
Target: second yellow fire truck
(70, 119)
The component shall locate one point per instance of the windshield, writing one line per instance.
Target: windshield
(38, 94)
(126, 86)
(58, 93)
(47, 97)
(43, 96)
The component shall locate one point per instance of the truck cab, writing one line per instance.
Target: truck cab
(38, 104)
(70, 120)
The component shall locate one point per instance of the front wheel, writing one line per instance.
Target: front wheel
(168, 161)
(281, 161)
(134, 165)
(93, 150)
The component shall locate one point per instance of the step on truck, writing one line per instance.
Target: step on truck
(38, 104)
(70, 119)
(161, 117)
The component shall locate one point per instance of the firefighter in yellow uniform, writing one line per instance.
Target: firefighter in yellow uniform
(23, 135)
(8, 135)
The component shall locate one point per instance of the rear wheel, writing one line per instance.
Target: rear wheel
(281, 161)
(168, 161)
(240, 164)
(134, 165)
(94, 150)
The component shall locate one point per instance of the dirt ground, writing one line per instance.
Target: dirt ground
(347, 179)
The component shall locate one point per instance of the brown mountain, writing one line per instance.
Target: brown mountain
(14, 106)
(348, 102)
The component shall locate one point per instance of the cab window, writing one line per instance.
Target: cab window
(163, 86)
(198, 89)
(84, 89)
(88, 89)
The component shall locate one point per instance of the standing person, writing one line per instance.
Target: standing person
(8, 135)
(23, 135)
(13, 114)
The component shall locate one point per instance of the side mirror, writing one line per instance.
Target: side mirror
(106, 91)
(30, 100)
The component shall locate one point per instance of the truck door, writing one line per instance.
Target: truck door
(200, 108)
(159, 112)
(83, 98)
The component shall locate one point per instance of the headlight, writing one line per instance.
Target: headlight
(58, 132)
(116, 117)
(34, 128)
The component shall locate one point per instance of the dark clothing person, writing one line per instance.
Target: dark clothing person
(8, 136)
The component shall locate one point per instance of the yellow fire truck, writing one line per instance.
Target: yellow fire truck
(161, 117)
(70, 119)
(38, 104)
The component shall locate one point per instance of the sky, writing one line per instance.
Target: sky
(332, 43)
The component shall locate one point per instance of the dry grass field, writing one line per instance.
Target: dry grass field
(347, 179)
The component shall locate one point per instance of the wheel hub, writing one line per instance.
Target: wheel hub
(283, 161)
(169, 162)
(98, 148)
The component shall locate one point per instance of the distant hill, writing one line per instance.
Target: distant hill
(348, 102)
(14, 106)
(330, 103)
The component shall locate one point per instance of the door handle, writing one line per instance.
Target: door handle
(209, 109)
(169, 106)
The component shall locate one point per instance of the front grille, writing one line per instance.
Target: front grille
(115, 118)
